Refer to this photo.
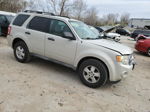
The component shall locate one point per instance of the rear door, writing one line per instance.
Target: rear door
(36, 33)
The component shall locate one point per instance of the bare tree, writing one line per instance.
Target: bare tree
(37, 5)
(59, 7)
(111, 19)
(91, 17)
(62, 5)
(12, 5)
(79, 9)
(124, 19)
(54, 4)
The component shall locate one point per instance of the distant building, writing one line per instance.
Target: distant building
(139, 22)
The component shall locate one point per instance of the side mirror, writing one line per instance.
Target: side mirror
(102, 34)
(69, 35)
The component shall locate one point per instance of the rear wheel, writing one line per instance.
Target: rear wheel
(93, 73)
(148, 52)
(21, 52)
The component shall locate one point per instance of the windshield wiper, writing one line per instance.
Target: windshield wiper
(88, 38)
(99, 37)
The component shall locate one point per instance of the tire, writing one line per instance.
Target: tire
(116, 39)
(93, 77)
(148, 52)
(21, 52)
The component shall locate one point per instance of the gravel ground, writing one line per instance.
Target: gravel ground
(42, 86)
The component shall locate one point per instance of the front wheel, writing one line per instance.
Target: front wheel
(117, 39)
(93, 73)
(21, 52)
(148, 52)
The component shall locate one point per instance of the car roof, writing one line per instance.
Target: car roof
(48, 15)
(7, 13)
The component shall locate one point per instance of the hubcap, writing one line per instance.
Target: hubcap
(20, 52)
(149, 52)
(91, 74)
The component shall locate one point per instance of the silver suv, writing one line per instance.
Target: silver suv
(71, 43)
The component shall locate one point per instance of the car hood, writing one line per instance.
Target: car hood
(108, 44)
(113, 34)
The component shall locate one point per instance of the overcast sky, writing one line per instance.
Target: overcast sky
(136, 8)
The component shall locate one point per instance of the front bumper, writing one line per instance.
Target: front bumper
(122, 71)
(126, 70)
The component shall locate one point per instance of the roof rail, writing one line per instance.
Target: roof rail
(48, 13)
(63, 16)
(39, 12)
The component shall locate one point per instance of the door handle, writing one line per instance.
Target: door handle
(51, 39)
(28, 33)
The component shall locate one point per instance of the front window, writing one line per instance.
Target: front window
(59, 27)
(83, 31)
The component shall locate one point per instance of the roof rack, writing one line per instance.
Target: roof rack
(39, 12)
(64, 16)
(48, 13)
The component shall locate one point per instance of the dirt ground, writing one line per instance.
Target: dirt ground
(42, 86)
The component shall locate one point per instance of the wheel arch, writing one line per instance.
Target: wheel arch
(91, 57)
(17, 40)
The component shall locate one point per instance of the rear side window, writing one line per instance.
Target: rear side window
(39, 24)
(20, 19)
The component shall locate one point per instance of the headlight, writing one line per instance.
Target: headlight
(123, 59)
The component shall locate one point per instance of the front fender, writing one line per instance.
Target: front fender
(104, 57)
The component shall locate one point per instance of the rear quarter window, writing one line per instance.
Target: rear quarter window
(20, 19)
(39, 24)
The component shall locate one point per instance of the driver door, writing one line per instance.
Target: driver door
(56, 46)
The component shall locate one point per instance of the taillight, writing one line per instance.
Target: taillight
(9, 30)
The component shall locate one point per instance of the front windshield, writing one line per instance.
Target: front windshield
(94, 30)
(83, 30)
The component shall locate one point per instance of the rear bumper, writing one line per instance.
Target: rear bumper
(9, 39)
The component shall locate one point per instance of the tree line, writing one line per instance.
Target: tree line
(77, 9)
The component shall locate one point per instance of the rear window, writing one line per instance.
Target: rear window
(20, 19)
(39, 24)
